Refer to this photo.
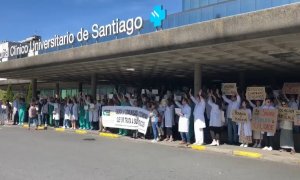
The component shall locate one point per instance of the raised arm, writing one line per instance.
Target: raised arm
(226, 99)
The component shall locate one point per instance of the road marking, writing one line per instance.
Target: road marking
(59, 129)
(81, 132)
(198, 147)
(110, 135)
(247, 154)
(25, 126)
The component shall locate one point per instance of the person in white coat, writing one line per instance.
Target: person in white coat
(169, 119)
(233, 104)
(183, 124)
(257, 135)
(269, 135)
(215, 122)
(74, 113)
(56, 112)
(199, 119)
(245, 130)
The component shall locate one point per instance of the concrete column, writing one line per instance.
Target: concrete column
(80, 87)
(57, 90)
(197, 78)
(34, 88)
(94, 85)
(242, 82)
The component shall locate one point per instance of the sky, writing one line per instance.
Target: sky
(23, 18)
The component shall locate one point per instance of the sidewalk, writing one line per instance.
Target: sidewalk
(275, 156)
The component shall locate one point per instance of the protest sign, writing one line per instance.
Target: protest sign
(291, 88)
(125, 117)
(264, 120)
(286, 114)
(239, 116)
(297, 118)
(256, 93)
(154, 91)
(229, 88)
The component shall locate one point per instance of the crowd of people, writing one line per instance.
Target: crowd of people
(208, 110)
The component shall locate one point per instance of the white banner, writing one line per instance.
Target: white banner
(125, 117)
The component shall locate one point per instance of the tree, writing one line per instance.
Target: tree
(9, 94)
(2, 95)
(29, 94)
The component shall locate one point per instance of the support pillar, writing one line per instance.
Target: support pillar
(242, 83)
(80, 87)
(34, 88)
(57, 90)
(197, 78)
(94, 85)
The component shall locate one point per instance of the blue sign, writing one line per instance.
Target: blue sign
(157, 16)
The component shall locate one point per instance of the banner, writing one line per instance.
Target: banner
(229, 88)
(286, 114)
(297, 118)
(125, 117)
(291, 88)
(256, 93)
(264, 120)
(239, 116)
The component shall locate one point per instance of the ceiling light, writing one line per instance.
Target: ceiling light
(130, 69)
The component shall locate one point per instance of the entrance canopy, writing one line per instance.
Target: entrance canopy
(262, 43)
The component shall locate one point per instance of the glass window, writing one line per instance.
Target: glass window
(233, 8)
(263, 4)
(280, 2)
(186, 5)
(247, 6)
(194, 4)
(212, 1)
(203, 3)
(207, 13)
(219, 11)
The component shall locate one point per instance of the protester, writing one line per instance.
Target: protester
(233, 104)
(215, 122)
(286, 133)
(74, 113)
(268, 135)
(15, 114)
(169, 119)
(32, 114)
(183, 125)
(8, 111)
(67, 114)
(244, 129)
(154, 121)
(257, 135)
(21, 111)
(199, 119)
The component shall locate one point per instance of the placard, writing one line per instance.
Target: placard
(157, 98)
(291, 88)
(264, 120)
(229, 88)
(154, 91)
(178, 98)
(256, 93)
(239, 116)
(143, 91)
(297, 118)
(110, 96)
(125, 117)
(286, 114)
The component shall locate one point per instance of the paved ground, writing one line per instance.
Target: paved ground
(35, 155)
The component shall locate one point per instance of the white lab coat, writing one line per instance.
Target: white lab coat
(199, 111)
(247, 125)
(215, 115)
(232, 105)
(169, 116)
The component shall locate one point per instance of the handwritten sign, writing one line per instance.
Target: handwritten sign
(239, 116)
(291, 88)
(229, 88)
(264, 120)
(286, 114)
(256, 93)
(297, 118)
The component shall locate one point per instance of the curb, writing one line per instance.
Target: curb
(59, 129)
(25, 126)
(110, 135)
(80, 131)
(247, 154)
(198, 147)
